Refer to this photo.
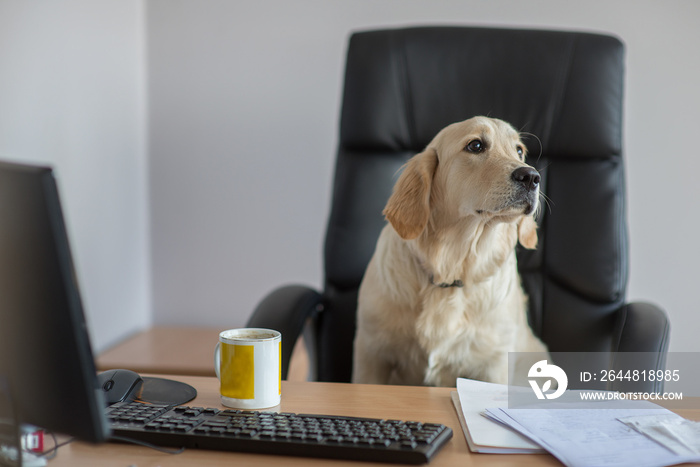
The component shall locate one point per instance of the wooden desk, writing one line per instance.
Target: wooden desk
(388, 402)
(165, 350)
(172, 350)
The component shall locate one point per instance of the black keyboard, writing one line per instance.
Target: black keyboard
(289, 434)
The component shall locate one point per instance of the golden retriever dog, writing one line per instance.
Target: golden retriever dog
(441, 297)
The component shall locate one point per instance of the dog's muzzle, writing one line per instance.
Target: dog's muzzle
(527, 179)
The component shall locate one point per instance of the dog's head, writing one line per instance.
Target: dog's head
(471, 168)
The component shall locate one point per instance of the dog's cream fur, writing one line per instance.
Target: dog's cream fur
(456, 214)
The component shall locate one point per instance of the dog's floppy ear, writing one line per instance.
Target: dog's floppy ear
(408, 208)
(527, 232)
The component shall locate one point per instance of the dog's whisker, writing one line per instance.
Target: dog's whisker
(544, 167)
(527, 133)
(547, 200)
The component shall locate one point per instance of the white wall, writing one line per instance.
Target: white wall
(245, 102)
(243, 99)
(227, 177)
(72, 96)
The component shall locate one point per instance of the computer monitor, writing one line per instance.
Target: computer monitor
(45, 356)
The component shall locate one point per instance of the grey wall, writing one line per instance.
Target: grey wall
(72, 82)
(194, 140)
(244, 100)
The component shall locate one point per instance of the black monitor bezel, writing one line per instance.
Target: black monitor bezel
(45, 350)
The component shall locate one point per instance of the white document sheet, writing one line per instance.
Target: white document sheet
(593, 436)
(673, 431)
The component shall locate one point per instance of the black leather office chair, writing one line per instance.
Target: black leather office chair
(401, 87)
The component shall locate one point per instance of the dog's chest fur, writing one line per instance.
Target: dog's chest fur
(462, 335)
(467, 331)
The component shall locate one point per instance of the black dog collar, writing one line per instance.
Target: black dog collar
(445, 285)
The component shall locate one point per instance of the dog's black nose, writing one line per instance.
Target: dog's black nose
(527, 176)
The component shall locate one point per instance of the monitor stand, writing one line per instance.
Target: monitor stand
(10, 443)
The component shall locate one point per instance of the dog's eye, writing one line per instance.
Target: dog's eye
(475, 146)
(521, 151)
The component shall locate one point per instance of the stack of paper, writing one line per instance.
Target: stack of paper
(483, 435)
(588, 435)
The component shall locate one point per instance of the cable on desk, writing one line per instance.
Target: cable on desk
(51, 453)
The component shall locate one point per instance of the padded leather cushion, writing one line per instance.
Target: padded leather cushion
(563, 87)
(363, 184)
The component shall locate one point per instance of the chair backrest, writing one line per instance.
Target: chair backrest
(403, 85)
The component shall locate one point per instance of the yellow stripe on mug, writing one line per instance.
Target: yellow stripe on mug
(248, 364)
(238, 371)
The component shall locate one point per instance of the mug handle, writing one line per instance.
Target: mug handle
(217, 360)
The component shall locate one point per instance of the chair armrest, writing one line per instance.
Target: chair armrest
(642, 328)
(286, 310)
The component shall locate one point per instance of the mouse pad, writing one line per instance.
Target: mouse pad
(165, 391)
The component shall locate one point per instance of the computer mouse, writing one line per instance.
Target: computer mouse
(119, 385)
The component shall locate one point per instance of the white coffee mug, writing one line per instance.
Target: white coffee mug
(247, 362)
